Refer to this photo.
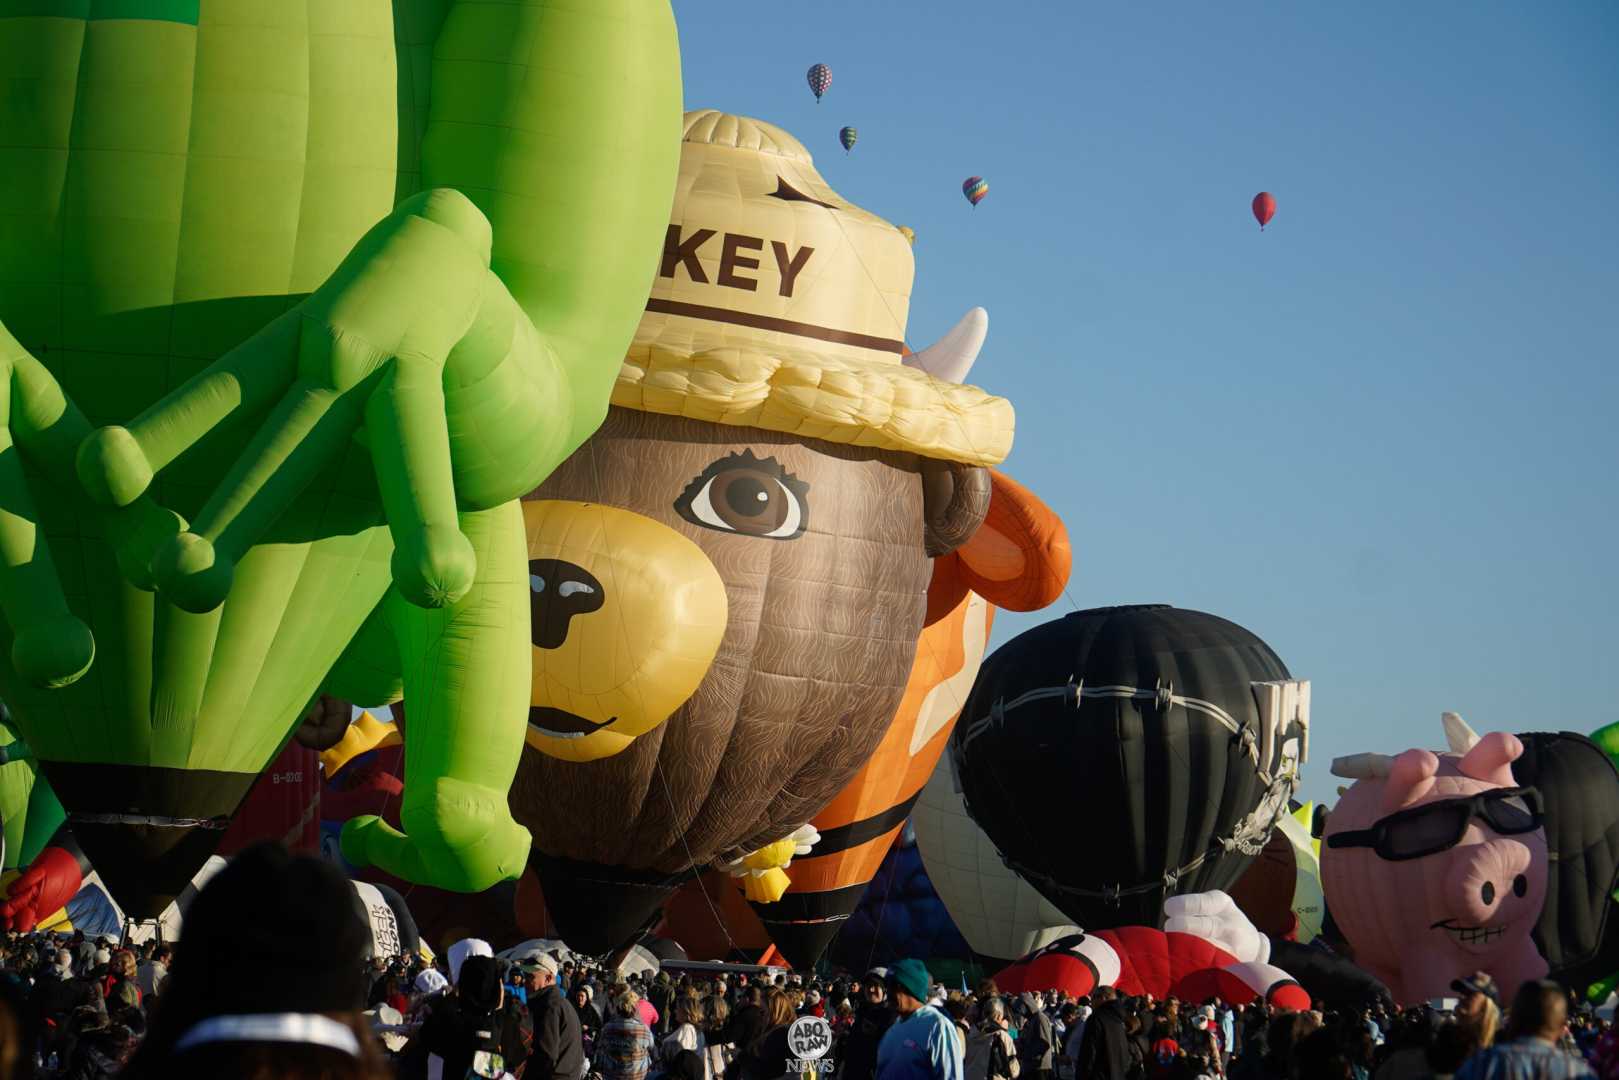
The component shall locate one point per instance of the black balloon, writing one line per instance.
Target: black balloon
(1122, 755)
(1333, 981)
(1577, 932)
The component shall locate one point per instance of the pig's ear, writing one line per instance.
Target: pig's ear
(1410, 777)
(955, 499)
(1491, 759)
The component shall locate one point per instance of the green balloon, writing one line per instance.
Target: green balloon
(297, 299)
(29, 811)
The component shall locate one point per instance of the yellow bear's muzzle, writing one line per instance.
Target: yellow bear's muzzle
(615, 667)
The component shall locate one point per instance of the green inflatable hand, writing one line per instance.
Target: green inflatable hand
(341, 281)
(414, 339)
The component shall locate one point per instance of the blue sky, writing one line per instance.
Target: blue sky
(1381, 434)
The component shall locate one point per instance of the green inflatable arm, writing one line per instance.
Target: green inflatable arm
(470, 391)
(392, 408)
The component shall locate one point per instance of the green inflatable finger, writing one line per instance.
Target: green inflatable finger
(339, 282)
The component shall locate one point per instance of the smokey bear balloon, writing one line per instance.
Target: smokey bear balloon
(729, 577)
(1434, 865)
(1122, 755)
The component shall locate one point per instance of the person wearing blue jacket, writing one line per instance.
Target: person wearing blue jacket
(924, 1043)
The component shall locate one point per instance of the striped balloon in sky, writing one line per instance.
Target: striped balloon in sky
(975, 188)
(820, 77)
(847, 137)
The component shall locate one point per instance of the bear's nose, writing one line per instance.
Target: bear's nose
(559, 591)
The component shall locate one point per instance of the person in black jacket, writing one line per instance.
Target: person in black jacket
(101, 1048)
(558, 1052)
(590, 1017)
(872, 1021)
(1104, 1052)
(748, 1022)
(1037, 1038)
(477, 1018)
(57, 994)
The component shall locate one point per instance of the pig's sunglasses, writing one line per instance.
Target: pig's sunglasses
(1440, 826)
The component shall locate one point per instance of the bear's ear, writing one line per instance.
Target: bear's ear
(955, 499)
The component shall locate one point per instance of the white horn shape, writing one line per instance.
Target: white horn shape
(951, 357)
(1460, 737)
(1362, 766)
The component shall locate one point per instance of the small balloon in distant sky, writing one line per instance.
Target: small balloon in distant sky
(820, 77)
(1264, 208)
(975, 188)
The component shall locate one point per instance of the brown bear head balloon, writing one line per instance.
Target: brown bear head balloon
(729, 577)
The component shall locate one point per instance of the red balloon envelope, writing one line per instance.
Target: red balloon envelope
(1140, 960)
(284, 805)
(1264, 208)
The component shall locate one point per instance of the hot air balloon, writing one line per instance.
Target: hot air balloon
(1187, 729)
(899, 915)
(819, 77)
(1578, 928)
(975, 188)
(1206, 949)
(1264, 208)
(711, 665)
(847, 137)
(1001, 915)
(267, 504)
(1019, 559)
(29, 812)
(1280, 892)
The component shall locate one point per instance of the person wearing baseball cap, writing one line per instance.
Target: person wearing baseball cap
(924, 1043)
(559, 1049)
(1469, 989)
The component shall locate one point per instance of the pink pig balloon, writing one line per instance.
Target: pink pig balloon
(1419, 923)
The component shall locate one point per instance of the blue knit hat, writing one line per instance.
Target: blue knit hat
(912, 977)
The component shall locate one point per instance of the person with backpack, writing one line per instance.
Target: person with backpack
(477, 1031)
(990, 1052)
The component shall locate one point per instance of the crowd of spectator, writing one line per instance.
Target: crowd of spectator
(273, 978)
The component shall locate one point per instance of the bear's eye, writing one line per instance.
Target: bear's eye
(744, 494)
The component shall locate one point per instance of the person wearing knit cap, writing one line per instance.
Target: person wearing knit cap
(477, 1024)
(462, 949)
(590, 1017)
(431, 982)
(269, 978)
(924, 1044)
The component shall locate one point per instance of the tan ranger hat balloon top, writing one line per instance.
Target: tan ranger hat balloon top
(780, 305)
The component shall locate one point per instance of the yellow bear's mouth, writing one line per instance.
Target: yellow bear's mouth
(562, 724)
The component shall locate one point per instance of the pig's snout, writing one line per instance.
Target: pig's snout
(1484, 877)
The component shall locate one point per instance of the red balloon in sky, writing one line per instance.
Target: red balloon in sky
(1264, 208)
